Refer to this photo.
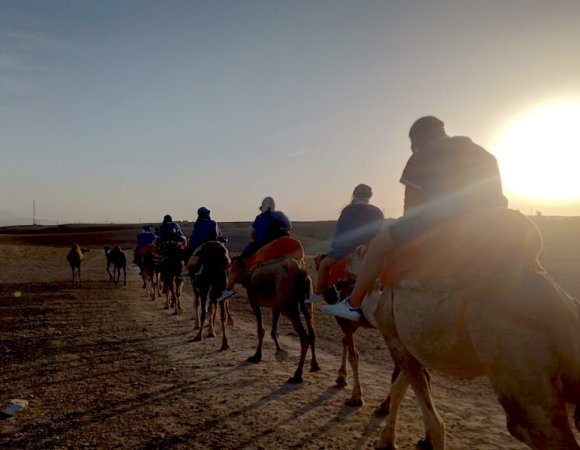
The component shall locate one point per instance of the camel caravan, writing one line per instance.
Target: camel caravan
(454, 285)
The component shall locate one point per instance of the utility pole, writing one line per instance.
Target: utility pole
(33, 212)
(139, 219)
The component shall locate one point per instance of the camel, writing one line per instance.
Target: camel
(150, 273)
(213, 264)
(511, 322)
(283, 285)
(333, 294)
(75, 257)
(173, 265)
(117, 258)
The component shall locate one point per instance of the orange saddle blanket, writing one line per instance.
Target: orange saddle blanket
(475, 243)
(279, 248)
(339, 272)
(145, 249)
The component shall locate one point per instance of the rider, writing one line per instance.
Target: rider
(170, 234)
(445, 177)
(358, 223)
(204, 230)
(147, 237)
(268, 226)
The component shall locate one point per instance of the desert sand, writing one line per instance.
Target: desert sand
(104, 367)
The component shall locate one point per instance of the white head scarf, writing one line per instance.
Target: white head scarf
(268, 204)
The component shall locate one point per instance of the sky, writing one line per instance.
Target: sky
(131, 110)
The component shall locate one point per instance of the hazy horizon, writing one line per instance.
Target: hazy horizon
(137, 109)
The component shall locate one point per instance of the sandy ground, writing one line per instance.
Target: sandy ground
(105, 367)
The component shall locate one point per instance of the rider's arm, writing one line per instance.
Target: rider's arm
(371, 267)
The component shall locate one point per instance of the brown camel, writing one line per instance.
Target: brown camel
(336, 293)
(75, 257)
(173, 265)
(117, 258)
(150, 273)
(283, 285)
(503, 317)
(210, 279)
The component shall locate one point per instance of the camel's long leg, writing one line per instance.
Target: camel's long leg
(385, 407)
(342, 370)
(294, 315)
(348, 329)
(397, 394)
(258, 313)
(274, 332)
(196, 307)
(309, 317)
(73, 274)
(124, 275)
(203, 293)
(80, 281)
(212, 315)
(225, 344)
(230, 318)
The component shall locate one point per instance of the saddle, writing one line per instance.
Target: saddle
(284, 247)
(472, 244)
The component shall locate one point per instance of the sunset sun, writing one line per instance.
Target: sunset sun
(539, 155)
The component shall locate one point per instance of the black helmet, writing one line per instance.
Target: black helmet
(168, 218)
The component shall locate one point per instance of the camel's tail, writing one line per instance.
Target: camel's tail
(303, 290)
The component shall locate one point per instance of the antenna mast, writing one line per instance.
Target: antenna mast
(33, 212)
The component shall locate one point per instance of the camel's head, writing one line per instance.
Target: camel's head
(356, 258)
(318, 259)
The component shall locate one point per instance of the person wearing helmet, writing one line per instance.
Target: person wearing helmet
(170, 234)
(147, 237)
(268, 226)
(358, 224)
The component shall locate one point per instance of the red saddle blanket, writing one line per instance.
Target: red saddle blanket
(474, 243)
(339, 272)
(145, 249)
(279, 248)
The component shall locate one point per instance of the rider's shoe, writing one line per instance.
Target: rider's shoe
(344, 310)
(315, 298)
(227, 294)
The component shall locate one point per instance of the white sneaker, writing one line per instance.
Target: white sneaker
(227, 294)
(342, 309)
(315, 298)
(134, 265)
(184, 274)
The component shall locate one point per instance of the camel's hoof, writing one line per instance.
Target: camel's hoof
(380, 411)
(211, 334)
(231, 323)
(281, 355)
(295, 379)
(180, 311)
(341, 382)
(314, 368)
(225, 346)
(175, 313)
(354, 402)
(425, 444)
(196, 327)
(197, 339)
(255, 359)
(166, 307)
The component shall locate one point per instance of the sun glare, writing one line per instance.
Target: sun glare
(539, 156)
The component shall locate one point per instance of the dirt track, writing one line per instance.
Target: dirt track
(104, 367)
